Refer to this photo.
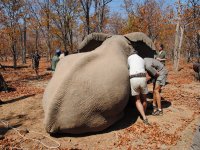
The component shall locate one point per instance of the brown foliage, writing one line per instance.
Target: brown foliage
(17, 80)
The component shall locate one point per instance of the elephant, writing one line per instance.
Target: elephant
(89, 90)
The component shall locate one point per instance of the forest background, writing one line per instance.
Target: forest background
(45, 25)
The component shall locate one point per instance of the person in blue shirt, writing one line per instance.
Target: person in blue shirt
(55, 60)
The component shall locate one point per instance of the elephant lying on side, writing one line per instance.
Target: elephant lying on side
(89, 91)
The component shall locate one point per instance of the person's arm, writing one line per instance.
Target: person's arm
(162, 56)
(161, 59)
(148, 77)
(152, 70)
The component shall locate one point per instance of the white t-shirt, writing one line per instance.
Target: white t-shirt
(61, 56)
(136, 64)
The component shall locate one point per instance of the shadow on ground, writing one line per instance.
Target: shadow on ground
(39, 77)
(5, 124)
(164, 103)
(4, 129)
(18, 99)
(130, 117)
(18, 67)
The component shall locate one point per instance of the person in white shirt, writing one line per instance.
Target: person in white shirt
(138, 83)
(63, 55)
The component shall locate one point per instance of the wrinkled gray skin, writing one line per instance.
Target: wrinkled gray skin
(89, 91)
(196, 140)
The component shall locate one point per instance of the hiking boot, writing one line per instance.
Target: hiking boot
(158, 113)
(146, 122)
(155, 109)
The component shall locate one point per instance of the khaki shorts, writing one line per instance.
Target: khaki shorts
(138, 86)
(161, 80)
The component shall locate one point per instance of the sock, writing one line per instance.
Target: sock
(154, 106)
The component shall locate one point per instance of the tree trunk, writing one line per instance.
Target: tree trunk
(48, 49)
(65, 41)
(71, 40)
(24, 44)
(36, 39)
(179, 48)
(188, 56)
(86, 8)
(198, 47)
(14, 52)
(88, 22)
(175, 53)
(178, 40)
(48, 32)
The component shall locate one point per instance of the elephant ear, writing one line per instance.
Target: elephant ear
(142, 44)
(92, 41)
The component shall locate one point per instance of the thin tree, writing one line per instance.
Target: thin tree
(86, 5)
(180, 28)
(64, 20)
(23, 31)
(178, 39)
(100, 8)
(12, 14)
(191, 18)
(39, 11)
(47, 12)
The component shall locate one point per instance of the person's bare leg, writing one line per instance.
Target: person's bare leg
(154, 101)
(154, 84)
(36, 71)
(139, 106)
(144, 101)
(157, 95)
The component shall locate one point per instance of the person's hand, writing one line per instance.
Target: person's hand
(148, 77)
(158, 58)
(157, 74)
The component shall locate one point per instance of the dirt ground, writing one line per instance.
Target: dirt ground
(21, 117)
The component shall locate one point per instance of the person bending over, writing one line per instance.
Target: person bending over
(138, 83)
